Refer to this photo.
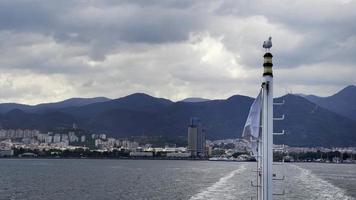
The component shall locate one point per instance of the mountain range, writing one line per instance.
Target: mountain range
(309, 120)
(343, 102)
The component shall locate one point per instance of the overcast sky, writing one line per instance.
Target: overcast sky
(53, 50)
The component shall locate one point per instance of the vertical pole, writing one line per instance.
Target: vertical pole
(267, 129)
(259, 170)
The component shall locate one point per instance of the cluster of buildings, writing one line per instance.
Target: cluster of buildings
(169, 152)
(104, 143)
(6, 148)
(18, 133)
(34, 137)
(288, 149)
(197, 145)
(11, 139)
(74, 138)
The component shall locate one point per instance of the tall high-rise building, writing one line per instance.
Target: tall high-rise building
(196, 138)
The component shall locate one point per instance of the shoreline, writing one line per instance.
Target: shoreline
(143, 158)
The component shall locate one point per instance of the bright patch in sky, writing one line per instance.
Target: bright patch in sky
(53, 50)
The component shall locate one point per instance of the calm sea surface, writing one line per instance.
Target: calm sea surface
(163, 179)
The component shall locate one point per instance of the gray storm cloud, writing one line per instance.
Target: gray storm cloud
(52, 50)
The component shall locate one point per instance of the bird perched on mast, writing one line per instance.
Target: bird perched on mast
(267, 44)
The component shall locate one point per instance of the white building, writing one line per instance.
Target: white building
(57, 138)
(126, 144)
(179, 155)
(64, 138)
(111, 141)
(8, 152)
(102, 136)
(82, 138)
(3, 133)
(49, 139)
(41, 137)
(98, 142)
(73, 138)
(141, 154)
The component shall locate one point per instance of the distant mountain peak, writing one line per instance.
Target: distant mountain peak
(350, 88)
(343, 102)
(195, 100)
(143, 97)
(138, 94)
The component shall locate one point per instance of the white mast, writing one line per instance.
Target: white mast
(265, 137)
(266, 173)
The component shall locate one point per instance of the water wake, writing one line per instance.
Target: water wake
(222, 189)
(318, 188)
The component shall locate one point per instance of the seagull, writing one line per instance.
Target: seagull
(268, 43)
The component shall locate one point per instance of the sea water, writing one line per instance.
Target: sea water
(166, 179)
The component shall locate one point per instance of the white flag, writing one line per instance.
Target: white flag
(252, 126)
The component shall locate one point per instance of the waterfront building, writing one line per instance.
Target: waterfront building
(30, 133)
(2, 133)
(102, 136)
(11, 133)
(178, 154)
(65, 138)
(6, 153)
(6, 144)
(57, 138)
(141, 154)
(196, 138)
(19, 133)
(98, 142)
(118, 143)
(28, 140)
(75, 126)
(111, 141)
(49, 139)
(82, 138)
(126, 144)
(72, 137)
(41, 137)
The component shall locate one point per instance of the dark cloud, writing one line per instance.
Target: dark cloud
(172, 49)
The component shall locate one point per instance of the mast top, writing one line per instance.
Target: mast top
(267, 64)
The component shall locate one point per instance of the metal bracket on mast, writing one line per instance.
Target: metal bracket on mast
(279, 119)
(255, 185)
(279, 103)
(278, 163)
(279, 179)
(283, 193)
(282, 133)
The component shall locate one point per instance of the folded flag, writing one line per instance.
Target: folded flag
(251, 130)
